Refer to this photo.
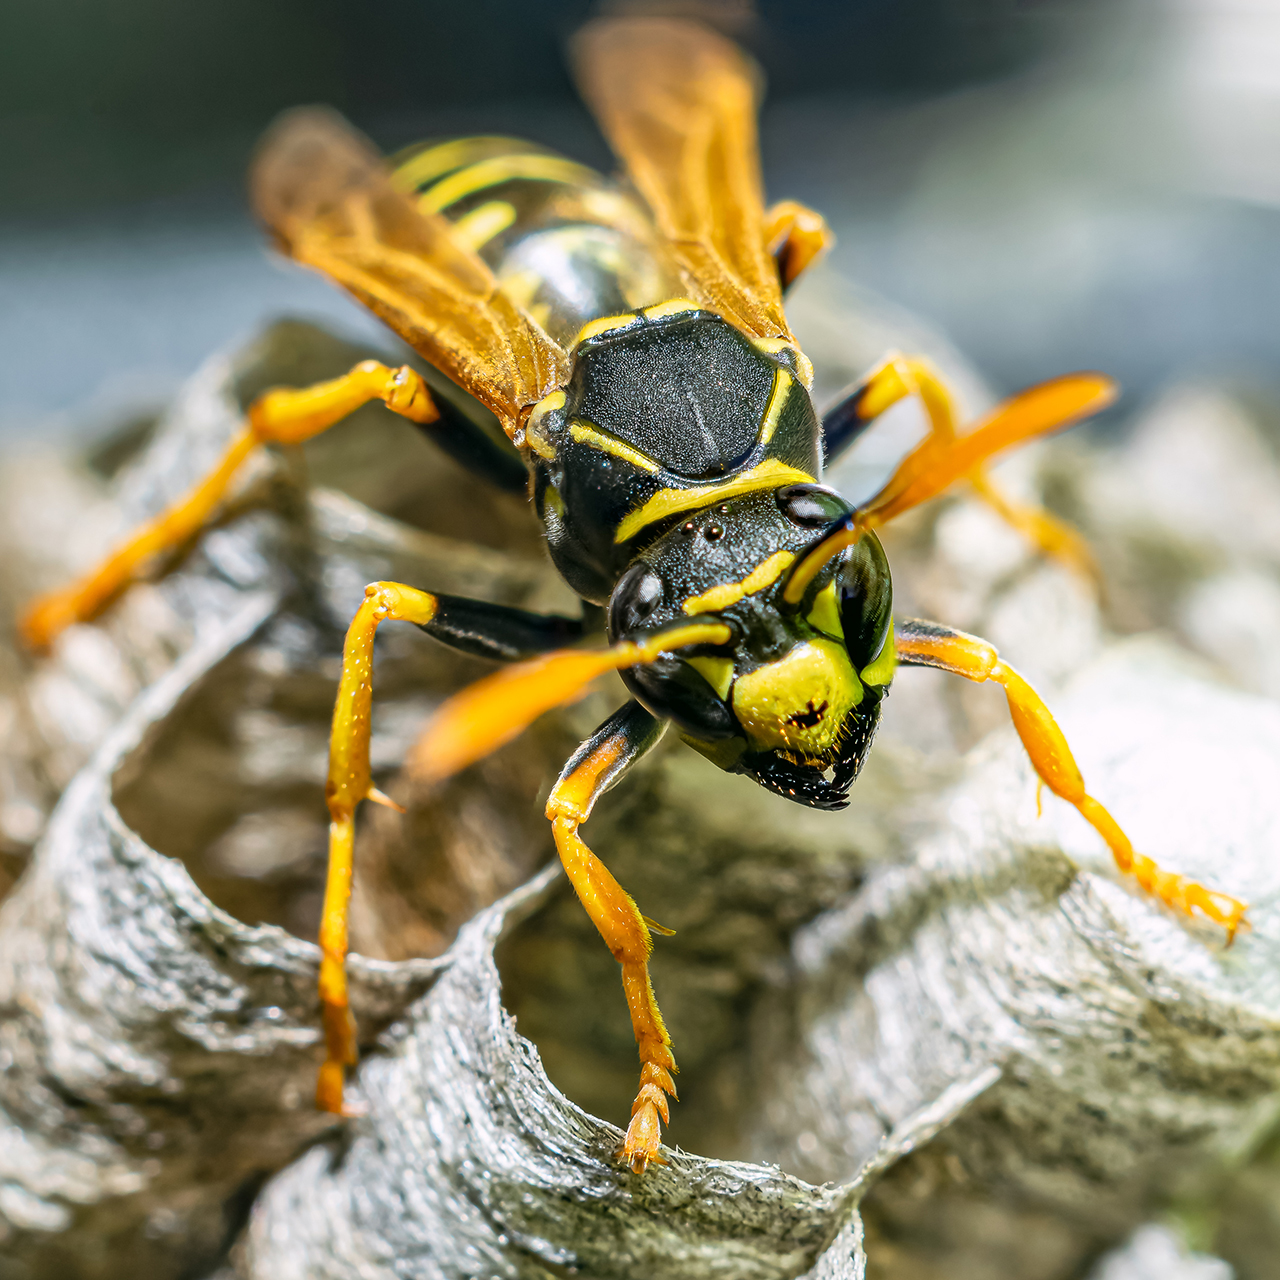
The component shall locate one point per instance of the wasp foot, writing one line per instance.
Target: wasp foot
(649, 1112)
(1189, 896)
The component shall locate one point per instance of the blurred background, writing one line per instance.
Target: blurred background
(1057, 183)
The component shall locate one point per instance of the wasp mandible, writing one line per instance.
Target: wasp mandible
(632, 341)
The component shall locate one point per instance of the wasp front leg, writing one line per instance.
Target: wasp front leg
(592, 769)
(926, 644)
(281, 416)
(901, 376)
(470, 625)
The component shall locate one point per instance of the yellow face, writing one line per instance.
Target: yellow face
(799, 702)
(793, 698)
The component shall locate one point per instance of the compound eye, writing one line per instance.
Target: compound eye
(635, 600)
(866, 600)
(811, 506)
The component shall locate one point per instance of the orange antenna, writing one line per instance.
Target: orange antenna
(939, 461)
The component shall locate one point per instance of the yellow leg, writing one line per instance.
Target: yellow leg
(902, 376)
(923, 644)
(1057, 540)
(283, 416)
(350, 782)
(796, 236)
(484, 717)
(626, 933)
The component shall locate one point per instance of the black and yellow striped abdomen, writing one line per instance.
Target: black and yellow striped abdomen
(564, 242)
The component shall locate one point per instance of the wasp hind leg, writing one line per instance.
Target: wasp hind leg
(280, 416)
(592, 769)
(901, 376)
(925, 644)
(470, 625)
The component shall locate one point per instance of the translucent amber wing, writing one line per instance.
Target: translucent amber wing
(327, 196)
(678, 105)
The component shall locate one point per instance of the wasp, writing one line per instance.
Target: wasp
(631, 339)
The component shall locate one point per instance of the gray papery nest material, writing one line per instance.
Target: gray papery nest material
(936, 960)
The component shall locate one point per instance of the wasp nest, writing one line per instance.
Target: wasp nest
(940, 1009)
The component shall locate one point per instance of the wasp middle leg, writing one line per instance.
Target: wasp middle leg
(901, 376)
(490, 630)
(280, 416)
(926, 644)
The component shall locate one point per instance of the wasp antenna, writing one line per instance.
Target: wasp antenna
(491, 712)
(937, 463)
(844, 534)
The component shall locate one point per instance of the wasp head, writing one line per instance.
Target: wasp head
(794, 698)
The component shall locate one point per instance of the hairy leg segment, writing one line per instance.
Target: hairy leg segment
(901, 376)
(926, 644)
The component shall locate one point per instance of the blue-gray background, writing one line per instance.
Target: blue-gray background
(1058, 183)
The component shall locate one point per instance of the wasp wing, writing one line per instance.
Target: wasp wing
(328, 198)
(678, 105)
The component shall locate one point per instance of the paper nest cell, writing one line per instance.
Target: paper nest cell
(945, 1012)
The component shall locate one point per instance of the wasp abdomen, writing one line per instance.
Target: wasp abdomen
(566, 244)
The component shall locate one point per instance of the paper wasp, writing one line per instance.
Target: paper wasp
(633, 344)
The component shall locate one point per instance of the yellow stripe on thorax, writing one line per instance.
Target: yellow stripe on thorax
(605, 324)
(659, 311)
(770, 474)
(727, 593)
(535, 429)
(777, 398)
(672, 307)
(587, 433)
(489, 173)
(772, 346)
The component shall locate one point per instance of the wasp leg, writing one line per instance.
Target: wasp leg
(491, 457)
(901, 376)
(470, 625)
(499, 631)
(592, 769)
(925, 644)
(282, 416)
(795, 235)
